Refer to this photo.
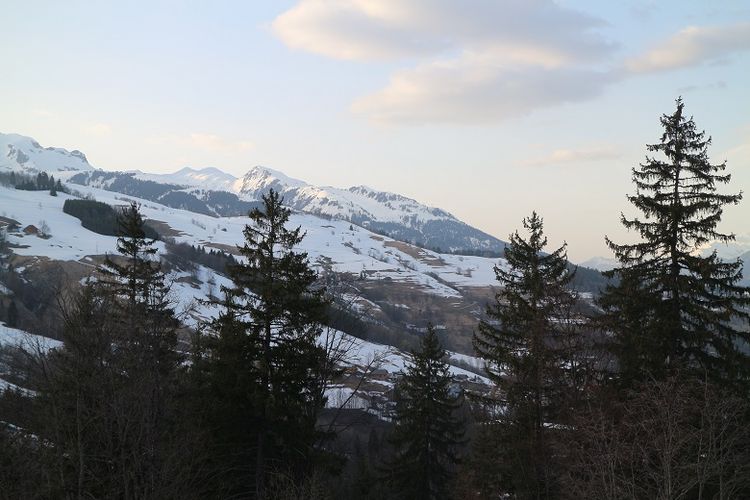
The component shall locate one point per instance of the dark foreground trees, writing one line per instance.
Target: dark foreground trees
(263, 369)
(674, 309)
(671, 439)
(428, 430)
(107, 417)
(530, 345)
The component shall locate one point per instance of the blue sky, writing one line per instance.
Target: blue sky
(487, 108)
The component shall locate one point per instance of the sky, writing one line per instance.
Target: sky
(486, 108)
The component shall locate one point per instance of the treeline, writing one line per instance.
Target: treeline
(100, 218)
(187, 256)
(647, 399)
(41, 182)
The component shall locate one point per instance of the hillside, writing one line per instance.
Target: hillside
(23, 154)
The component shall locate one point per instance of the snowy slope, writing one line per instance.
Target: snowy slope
(27, 341)
(209, 188)
(351, 249)
(208, 178)
(20, 153)
(355, 203)
(600, 263)
(402, 218)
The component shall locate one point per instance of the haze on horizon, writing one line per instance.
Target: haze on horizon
(487, 109)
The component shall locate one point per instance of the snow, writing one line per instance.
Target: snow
(69, 240)
(600, 263)
(21, 153)
(353, 251)
(729, 251)
(382, 357)
(208, 178)
(28, 341)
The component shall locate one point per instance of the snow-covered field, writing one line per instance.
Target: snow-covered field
(27, 341)
(350, 248)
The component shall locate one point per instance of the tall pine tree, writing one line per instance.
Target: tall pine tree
(526, 344)
(674, 309)
(109, 397)
(266, 354)
(427, 430)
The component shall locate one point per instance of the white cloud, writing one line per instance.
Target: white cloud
(465, 90)
(575, 156)
(478, 61)
(692, 46)
(387, 29)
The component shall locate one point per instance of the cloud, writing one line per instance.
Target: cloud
(205, 142)
(560, 157)
(476, 60)
(392, 29)
(465, 90)
(479, 61)
(692, 46)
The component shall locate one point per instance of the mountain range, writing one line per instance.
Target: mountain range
(213, 192)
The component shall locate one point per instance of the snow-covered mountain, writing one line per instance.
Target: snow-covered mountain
(387, 213)
(738, 249)
(214, 192)
(600, 263)
(209, 178)
(23, 154)
(389, 284)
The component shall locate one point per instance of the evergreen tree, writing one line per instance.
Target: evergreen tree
(526, 344)
(107, 400)
(12, 318)
(427, 431)
(265, 354)
(674, 309)
(53, 190)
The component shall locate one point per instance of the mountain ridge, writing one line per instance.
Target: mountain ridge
(212, 191)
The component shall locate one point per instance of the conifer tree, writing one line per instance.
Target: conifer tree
(267, 341)
(12, 319)
(109, 393)
(674, 309)
(427, 430)
(144, 340)
(525, 344)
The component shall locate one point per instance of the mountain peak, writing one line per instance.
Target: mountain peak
(260, 179)
(22, 153)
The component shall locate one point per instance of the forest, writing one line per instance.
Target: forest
(645, 396)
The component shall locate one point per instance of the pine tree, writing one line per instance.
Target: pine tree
(144, 340)
(526, 345)
(266, 346)
(674, 309)
(427, 431)
(108, 397)
(12, 319)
